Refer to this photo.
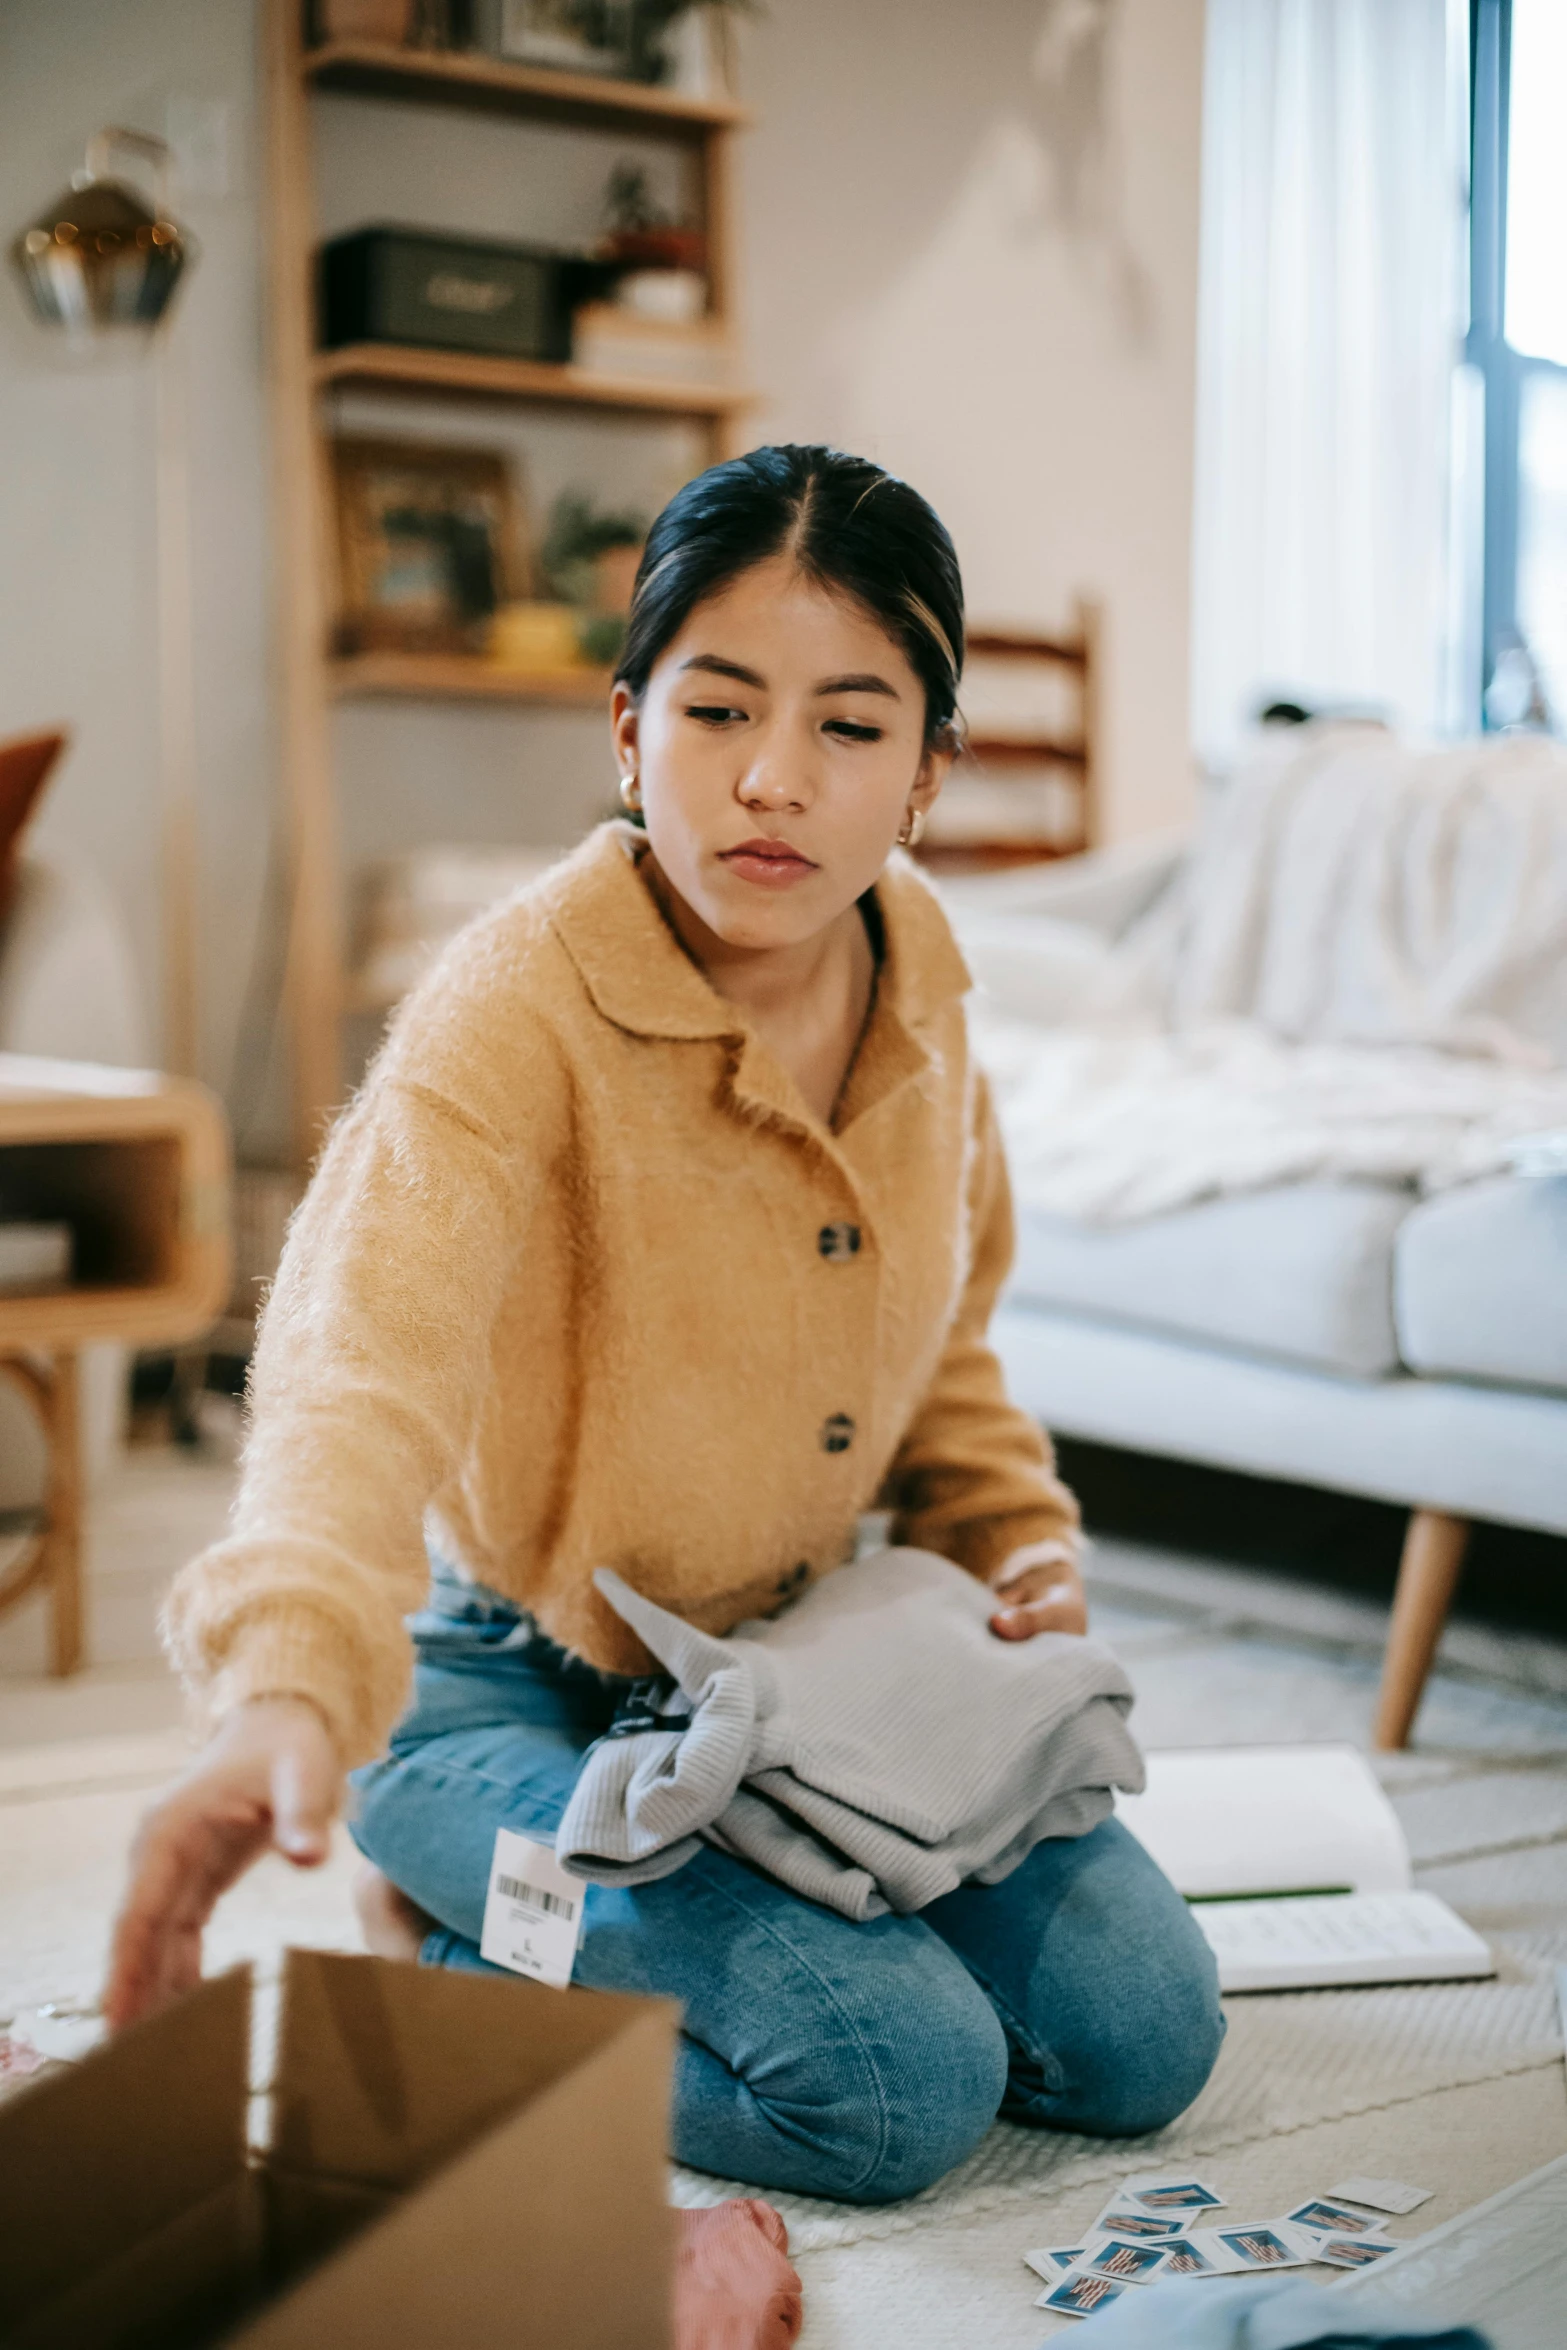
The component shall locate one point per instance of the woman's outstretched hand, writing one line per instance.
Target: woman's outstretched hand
(268, 1779)
(1040, 1590)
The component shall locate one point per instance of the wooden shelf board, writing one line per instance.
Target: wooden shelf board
(466, 78)
(467, 375)
(1007, 750)
(463, 677)
(154, 1313)
(992, 855)
(1010, 644)
(44, 1100)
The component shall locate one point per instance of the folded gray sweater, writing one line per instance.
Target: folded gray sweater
(872, 1748)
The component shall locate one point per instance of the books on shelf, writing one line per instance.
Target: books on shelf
(612, 340)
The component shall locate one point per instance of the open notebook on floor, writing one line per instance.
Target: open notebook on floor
(1297, 1869)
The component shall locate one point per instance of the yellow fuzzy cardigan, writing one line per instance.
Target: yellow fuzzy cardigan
(581, 1277)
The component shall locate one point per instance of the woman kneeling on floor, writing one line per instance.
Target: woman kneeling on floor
(664, 1235)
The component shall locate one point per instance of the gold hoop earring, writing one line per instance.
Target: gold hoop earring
(631, 794)
(911, 829)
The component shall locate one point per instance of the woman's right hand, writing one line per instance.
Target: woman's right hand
(268, 1779)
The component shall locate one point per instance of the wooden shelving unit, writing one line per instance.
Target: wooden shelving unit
(444, 677)
(455, 375)
(491, 86)
(304, 380)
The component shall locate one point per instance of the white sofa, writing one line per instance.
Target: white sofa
(1344, 1334)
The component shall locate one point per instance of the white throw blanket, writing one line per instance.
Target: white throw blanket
(1108, 1127)
(1348, 889)
(1361, 972)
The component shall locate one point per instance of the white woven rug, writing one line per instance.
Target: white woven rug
(1289, 2061)
(1220, 1653)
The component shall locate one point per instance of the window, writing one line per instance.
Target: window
(1518, 343)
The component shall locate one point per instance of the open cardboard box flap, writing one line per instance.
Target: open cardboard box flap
(127, 2174)
(452, 2159)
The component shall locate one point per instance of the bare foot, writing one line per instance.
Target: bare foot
(392, 1925)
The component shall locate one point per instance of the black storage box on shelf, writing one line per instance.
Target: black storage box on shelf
(404, 285)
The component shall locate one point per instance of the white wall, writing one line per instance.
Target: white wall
(77, 514)
(971, 253)
(969, 249)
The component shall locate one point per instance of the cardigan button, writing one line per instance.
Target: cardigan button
(838, 1242)
(837, 1433)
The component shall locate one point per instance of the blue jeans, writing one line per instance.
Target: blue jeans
(858, 2061)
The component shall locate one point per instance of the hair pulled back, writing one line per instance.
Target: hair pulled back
(846, 523)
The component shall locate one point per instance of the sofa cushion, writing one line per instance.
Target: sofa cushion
(1303, 1272)
(1480, 1283)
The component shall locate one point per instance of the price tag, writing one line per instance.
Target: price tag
(532, 1912)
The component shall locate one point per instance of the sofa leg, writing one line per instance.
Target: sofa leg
(1434, 1547)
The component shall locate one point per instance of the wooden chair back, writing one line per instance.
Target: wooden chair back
(1026, 787)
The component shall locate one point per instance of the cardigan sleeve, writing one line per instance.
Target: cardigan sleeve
(974, 1476)
(368, 1372)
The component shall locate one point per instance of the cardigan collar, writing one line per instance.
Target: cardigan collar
(641, 978)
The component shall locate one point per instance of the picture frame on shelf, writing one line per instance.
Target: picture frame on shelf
(431, 540)
(572, 36)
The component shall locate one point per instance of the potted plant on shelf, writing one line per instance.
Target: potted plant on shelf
(590, 557)
(640, 235)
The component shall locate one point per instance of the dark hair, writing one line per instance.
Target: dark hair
(845, 522)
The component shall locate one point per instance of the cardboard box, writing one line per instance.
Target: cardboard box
(451, 2160)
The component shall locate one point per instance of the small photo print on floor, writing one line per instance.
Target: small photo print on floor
(1052, 2262)
(1253, 2248)
(1135, 2263)
(1188, 2260)
(1122, 2219)
(1353, 2251)
(1080, 2296)
(1327, 2218)
(1170, 2194)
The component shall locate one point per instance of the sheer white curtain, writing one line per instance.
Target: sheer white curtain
(1327, 342)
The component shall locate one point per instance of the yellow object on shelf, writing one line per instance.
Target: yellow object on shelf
(529, 637)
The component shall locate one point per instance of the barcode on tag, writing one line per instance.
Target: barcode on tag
(532, 1911)
(551, 1903)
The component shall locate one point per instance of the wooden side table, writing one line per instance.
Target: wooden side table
(137, 1165)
